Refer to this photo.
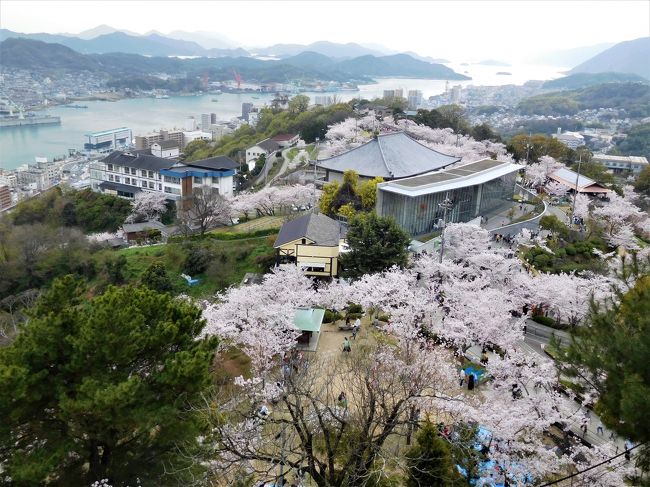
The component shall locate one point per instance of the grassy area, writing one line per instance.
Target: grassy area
(261, 223)
(230, 261)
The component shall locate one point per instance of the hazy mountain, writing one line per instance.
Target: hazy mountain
(31, 54)
(582, 80)
(100, 30)
(492, 62)
(329, 49)
(625, 57)
(570, 57)
(397, 65)
(426, 59)
(209, 40)
(310, 59)
(28, 53)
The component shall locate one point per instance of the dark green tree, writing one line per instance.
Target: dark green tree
(155, 277)
(430, 462)
(642, 182)
(104, 388)
(115, 268)
(376, 243)
(611, 353)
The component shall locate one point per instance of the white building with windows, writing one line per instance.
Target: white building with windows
(620, 164)
(167, 149)
(127, 173)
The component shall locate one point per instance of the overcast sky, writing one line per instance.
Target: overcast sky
(508, 30)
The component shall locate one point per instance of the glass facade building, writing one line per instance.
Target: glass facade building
(416, 208)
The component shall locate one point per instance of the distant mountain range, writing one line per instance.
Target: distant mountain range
(583, 80)
(570, 57)
(33, 54)
(149, 45)
(104, 39)
(625, 57)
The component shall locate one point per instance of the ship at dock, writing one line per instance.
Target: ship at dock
(28, 119)
(14, 116)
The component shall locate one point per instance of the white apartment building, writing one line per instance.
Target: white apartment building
(619, 164)
(127, 173)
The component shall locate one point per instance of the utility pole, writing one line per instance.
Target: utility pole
(447, 204)
(313, 195)
(575, 192)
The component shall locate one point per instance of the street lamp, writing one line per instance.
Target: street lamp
(447, 204)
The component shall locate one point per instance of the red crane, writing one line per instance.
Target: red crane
(238, 78)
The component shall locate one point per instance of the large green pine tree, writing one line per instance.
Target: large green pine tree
(430, 462)
(103, 387)
(376, 243)
(612, 352)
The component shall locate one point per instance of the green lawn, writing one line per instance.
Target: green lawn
(231, 260)
(261, 223)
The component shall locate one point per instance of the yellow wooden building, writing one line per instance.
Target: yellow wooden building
(313, 242)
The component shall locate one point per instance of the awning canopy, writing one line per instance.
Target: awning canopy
(317, 265)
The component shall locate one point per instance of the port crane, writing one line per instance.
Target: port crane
(7, 101)
(238, 78)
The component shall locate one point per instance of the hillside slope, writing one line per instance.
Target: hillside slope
(625, 57)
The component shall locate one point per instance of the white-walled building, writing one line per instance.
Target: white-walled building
(127, 173)
(619, 164)
(167, 149)
(266, 148)
(196, 135)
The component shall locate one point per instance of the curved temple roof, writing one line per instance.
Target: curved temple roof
(391, 156)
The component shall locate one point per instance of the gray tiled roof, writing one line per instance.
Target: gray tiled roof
(321, 229)
(119, 187)
(138, 160)
(215, 163)
(391, 156)
(167, 144)
(142, 227)
(268, 145)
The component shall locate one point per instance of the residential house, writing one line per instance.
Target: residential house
(286, 140)
(167, 149)
(267, 148)
(153, 230)
(314, 242)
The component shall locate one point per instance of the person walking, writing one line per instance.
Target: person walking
(470, 382)
(484, 357)
(347, 347)
(462, 377)
(355, 328)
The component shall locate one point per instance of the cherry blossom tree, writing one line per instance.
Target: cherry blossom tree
(538, 173)
(556, 189)
(475, 297)
(147, 206)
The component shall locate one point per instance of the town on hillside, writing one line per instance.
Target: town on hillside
(308, 287)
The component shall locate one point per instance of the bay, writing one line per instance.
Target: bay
(20, 145)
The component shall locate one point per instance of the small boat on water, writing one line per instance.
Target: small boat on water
(255, 97)
(215, 100)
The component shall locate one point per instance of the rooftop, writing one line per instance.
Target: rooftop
(142, 227)
(585, 185)
(308, 319)
(391, 156)
(318, 228)
(167, 144)
(632, 159)
(214, 163)
(107, 132)
(138, 160)
(471, 174)
(268, 145)
(284, 137)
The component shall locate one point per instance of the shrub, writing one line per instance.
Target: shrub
(354, 308)
(354, 316)
(544, 320)
(541, 260)
(197, 260)
(331, 316)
